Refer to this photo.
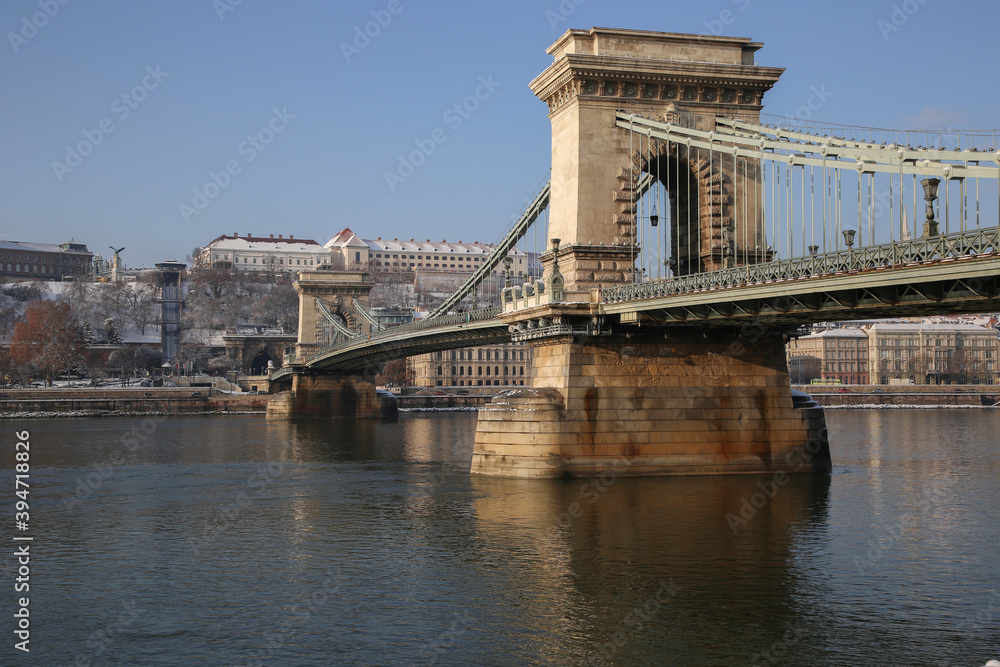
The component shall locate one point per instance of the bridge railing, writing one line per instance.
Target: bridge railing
(950, 247)
(422, 325)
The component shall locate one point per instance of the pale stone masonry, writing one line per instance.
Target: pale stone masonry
(678, 406)
(651, 401)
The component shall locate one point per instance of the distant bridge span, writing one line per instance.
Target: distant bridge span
(958, 273)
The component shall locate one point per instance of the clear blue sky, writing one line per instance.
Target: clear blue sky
(220, 75)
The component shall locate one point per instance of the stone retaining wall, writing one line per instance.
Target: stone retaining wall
(139, 401)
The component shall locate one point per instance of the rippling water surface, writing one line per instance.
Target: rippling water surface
(233, 541)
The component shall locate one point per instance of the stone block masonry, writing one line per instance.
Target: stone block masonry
(680, 404)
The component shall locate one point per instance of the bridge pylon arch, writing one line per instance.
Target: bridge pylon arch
(689, 79)
(327, 308)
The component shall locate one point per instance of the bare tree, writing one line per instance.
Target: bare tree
(46, 341)
(396, 373)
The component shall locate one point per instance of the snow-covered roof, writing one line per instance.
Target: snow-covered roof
(239, 244)
(345, 239)
(888, 327)
(837, 333)
(395, 245)
(40, 247)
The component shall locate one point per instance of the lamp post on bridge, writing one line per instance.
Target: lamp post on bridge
(849, 238)
(930, 194)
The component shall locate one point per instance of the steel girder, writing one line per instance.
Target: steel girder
(956, 287)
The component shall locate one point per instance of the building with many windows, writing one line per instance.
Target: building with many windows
(347, 251)
(834, 354)
(45, 261)
(256, 253)
(506, 365)
(385, 255)
(932, 353)
(898, 352)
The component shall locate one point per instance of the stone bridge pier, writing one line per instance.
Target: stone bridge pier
(330, 395)
(652, 403)
(332, 307)
(608, 395)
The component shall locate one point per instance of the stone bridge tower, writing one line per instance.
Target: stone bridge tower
(328, 394)
(337, 292)
(689, 79)
(609, 396)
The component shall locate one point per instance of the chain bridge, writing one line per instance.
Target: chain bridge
(684, 237)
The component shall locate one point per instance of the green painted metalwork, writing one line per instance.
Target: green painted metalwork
(485, 315)
(516, 233)
(334, 322)
(366, 315)
(887, 255)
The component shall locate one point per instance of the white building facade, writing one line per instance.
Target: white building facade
(257, 253)
(419, 256)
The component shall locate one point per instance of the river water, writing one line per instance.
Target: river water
(233, 541)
